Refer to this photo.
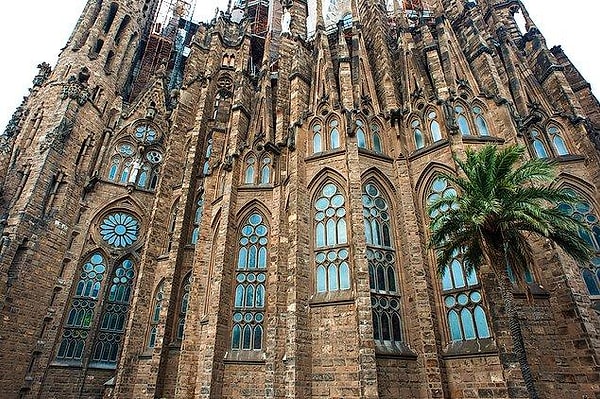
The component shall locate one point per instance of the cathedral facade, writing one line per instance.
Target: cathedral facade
(238, 208)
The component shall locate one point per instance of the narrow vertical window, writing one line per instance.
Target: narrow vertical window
(114, 315)
(381, 256)
(361, 137)
(251, 276)
(375, 132)
(463, 300)
(265, 171)
(334, 134)
(461, 121)
(538, 145)
(317, 139)
(250, 170)
(418, 134)
(155, 316)
(184, 302)
(557, 141)
(197, 220)
(82, 310)
(331, 240)
(434, 127)
(480, 122)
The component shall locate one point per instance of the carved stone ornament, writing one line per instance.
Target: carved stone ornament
(76, 88)
(58, 135)
(44, 72)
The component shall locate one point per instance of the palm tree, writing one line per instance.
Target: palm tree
(501, 204)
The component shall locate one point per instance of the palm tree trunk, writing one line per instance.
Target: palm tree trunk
(516, 334)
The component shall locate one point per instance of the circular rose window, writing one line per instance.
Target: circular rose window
(120, 229)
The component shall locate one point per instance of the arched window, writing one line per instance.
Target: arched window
(361, 138)
(418, 134)
(480, 123)
(385, 298)
(538, 144)
(114, 314)
(317, 138)
(461, 121)
(129, 166)
(157, 303)
(376, 139)
(250, 173)
(265, 171)
(251, 276)
(82, 310)
(463, 300)
(584, 212)
(334, 134)
(331, 240)
(184, 303)
(197, 219)
(434, 126)
(557, 141)
(206, 167)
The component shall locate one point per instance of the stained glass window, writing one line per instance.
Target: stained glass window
(463, 299)
(538, 144)
(250, 173)
(385, 298)
(184, 303)
(197, 219)
(418, 134)
(251, 276)
(82, 310)
(114, 314)
(377, 145)
(145, 134)
(317, 139)
(434, 126)
(583, 212)
(155, 316)
(119, 229)
(461, 121)
(331, 240)
(334, 134)
(557, 141)
(480, 122)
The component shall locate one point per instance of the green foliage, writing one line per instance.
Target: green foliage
(501, 204)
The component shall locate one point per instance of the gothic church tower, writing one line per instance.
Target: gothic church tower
(237, 208)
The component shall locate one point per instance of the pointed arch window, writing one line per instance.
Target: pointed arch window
(334, 134)
(584, 212)
(250, 292)
(197, 219)
(417, 134)
(555, 136)
(381, 256)
(317, 138)
(206, 167)
(265, 171)
(376, 139)
(157, 303)
(114, 315)
(184, 302)
(434, 126)
(82, 310)
(331, 240)
(538, 144)
(130, 166)
(465, 311)
(361, 137)
(480, 122)
(250, 173)
(461, 120)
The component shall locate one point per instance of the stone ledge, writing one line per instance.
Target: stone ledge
(471, 348)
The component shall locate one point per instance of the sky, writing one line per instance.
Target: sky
(33, 31)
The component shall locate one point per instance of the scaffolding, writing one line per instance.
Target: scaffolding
(167, 45)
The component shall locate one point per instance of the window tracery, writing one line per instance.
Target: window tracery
(249, 302)
(331, 240)
(197, 219)
(585, 213)
(159, 296)
(418, 134)
(463, 299)
(381, 256)
(558, 143)
(326, 136)
(184, 302)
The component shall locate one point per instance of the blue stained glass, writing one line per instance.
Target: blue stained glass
(262, 258)
(344, 276)
(236, 337)
(331, 227)
(472, 278)
(368, 234)
(457, 274)
(559, 144)
(335, 138)
(321, 279)
(436, 132)
(419, 142)
(377, 147)
(360, 138)
(252, 257)
(447, 279)
(258, 337)
(483, 330)
(247, 337)
(239, 296)
(463, 125)
(467, 322)
(260, 296)
(590, 282)
(119, 229)
(333, 278)
(482, 126)
(454, 324)
(250, 296)
(342, 235)
(317, 147)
